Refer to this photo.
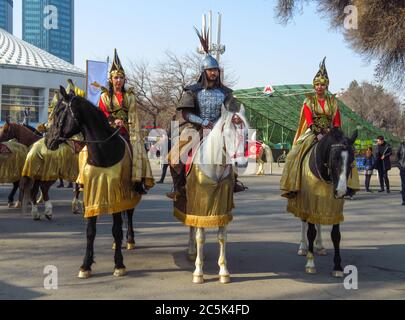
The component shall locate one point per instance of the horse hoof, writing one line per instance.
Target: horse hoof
(49, 217)
(225, 279)
(37, 218)
(17, 205)
(338, 274)
(198, 279)
(114, 246)
(321, 252)
(10, 204)
(302, 252)
(310, 270)
(191, 257)
(130, 246)
(84, 274)
(120, 272)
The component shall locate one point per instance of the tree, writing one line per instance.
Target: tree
(374, 104)
(380, 32)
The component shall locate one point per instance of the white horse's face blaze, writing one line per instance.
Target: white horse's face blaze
(341, 188)
(340, 163)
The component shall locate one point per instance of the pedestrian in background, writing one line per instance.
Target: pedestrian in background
(383, 163)
(401, 165)
(369, 164)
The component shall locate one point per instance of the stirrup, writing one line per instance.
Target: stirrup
(239, 187)
(290, 194)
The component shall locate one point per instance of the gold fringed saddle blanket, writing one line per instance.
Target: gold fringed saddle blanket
(12, 158)
(315, 202)
(107, 190)
(47, 165)
(208, 204)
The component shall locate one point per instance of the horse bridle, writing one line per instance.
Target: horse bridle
(329, 164)
(240, 140)
(69, 108)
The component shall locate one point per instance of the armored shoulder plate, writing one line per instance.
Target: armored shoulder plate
(194, 88)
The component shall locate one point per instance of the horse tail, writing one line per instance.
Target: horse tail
(269, 157)
(26, 184)
(269, 154)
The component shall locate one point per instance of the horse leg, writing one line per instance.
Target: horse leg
(85, 269)
(119, 270)
(192, 249)
(34, 210)
(198, 275)
(310, 267)
(336, 238)
(130, 230)
(76, 201)
(320, 249)
(12, 194)
(45, 186)
(224, 276)
(303, 249)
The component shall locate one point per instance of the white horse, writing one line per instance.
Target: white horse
(209, 187)
(263, 157)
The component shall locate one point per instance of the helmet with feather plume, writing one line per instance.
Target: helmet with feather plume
(208, 62)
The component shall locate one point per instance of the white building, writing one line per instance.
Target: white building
(28, 78)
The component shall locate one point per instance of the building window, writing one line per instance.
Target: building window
(15, 100)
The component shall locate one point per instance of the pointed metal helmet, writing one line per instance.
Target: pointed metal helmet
(209, 62)
(322, 75)
(116, 67)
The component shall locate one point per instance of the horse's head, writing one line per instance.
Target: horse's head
(340, 158)
(235, 132)
(7, 132)
(66, 121)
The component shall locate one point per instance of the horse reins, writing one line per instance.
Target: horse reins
(327, 165)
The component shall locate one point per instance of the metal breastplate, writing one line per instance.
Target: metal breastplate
(210, 103)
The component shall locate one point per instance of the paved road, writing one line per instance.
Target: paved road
(261, 251)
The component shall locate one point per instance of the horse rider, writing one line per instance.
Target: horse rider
(199, 109)
(319, 113)
(119, 106)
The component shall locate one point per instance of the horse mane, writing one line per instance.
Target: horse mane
(95, 113)
(213, 142)
(336, 133)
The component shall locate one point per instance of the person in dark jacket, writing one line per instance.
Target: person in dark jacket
(401, 164)
(369, 164)
(383, 163)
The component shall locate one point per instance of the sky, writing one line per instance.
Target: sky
(259, 50)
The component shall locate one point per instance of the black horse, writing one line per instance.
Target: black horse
(320, 201)
(75, 115)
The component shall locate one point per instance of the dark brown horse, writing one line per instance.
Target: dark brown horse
(28, 137)
(24, 136)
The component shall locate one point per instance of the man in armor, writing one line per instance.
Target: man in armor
(199, 109)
